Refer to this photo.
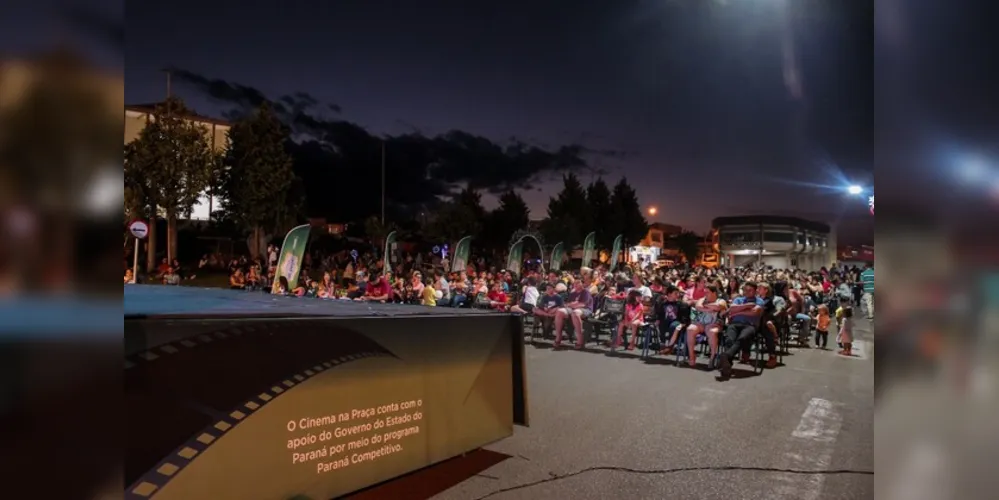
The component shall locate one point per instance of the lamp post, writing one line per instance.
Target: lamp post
(653, 211)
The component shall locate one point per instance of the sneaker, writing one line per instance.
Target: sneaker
(725, 365)
(772, 362)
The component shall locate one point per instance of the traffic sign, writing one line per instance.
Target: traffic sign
(139, 229)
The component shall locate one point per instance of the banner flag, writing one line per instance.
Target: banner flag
(290, 259)
(389, 251)
(516, 256)
(616, 252)
(589, 249)
(558, 253)
(461, 253)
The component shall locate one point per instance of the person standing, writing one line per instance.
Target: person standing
(867, 278)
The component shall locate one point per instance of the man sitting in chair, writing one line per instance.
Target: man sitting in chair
(744, 318)
(578, 307)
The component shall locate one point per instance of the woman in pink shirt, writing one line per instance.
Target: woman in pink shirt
(634, 317)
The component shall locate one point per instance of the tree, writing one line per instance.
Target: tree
(598, 196)
(451, 222)
(688, 244)
(173, 160)
(510, 216)
(568, 214)
(628, 219)
(258, 174)
(471, 199)
(58, 134)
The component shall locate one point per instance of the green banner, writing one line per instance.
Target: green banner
(290, 259)
(515, 258)
(461, 253)
(616, 252)
(389, 252)
(589, 249)
(558, 253)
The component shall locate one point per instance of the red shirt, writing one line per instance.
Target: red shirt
(497, 296)
(379, 288)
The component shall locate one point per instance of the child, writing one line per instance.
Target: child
(822, 323)
(846, 332)
(429, 296)
(634, 315)
(839, 321)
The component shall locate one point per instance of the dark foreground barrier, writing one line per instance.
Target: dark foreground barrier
(234, 395)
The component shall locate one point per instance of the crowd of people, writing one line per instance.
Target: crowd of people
(725, 310)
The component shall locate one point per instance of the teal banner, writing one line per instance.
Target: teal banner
(589, 249)
(616, 252)
(389, 252)
(290, 259)
(558, 253)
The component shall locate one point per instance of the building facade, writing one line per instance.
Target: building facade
(777, 241)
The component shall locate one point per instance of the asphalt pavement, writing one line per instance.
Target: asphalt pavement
(605, 426)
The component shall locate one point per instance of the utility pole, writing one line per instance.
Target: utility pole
(383, 182)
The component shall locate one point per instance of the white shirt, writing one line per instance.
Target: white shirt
(645, 291)
(531, 295)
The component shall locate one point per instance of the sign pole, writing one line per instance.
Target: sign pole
(139, 230)
(135, 263)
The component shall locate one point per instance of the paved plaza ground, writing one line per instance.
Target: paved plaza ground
(605, 427)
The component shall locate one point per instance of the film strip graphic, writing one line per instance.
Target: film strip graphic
(154, 480)
(188, 343)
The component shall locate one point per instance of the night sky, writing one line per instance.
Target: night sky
(709, 107)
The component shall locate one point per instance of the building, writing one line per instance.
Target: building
(652, 247)
(855, 256)
(216, 133)
(138, 115)
(658, 233)
(781, 242)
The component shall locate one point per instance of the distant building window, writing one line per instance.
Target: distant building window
(801, 238)
(775, 237)
(739, 238)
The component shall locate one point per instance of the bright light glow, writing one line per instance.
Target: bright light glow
(653, 210)
(854, 190)
(973, 171)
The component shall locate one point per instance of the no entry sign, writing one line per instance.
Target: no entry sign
(139, 229)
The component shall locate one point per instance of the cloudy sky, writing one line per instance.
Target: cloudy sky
(709, 107)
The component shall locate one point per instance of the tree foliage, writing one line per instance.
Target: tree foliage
(628, 218)
(257, 172)
(568, 214)
(598, 196)
(509, 217)
(171, 159)
(58, 136)
(688, 244)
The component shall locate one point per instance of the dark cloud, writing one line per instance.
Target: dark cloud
(107, 30)
(420, 167)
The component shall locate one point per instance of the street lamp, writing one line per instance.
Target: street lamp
(854, 190)
(653, 211)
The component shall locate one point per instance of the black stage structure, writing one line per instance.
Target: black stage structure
(233, 394)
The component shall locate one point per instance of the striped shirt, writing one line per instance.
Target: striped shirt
(867, 278)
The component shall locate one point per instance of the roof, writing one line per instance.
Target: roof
(664, 227)
(777, 220)
(150, 108)
(161, 301)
